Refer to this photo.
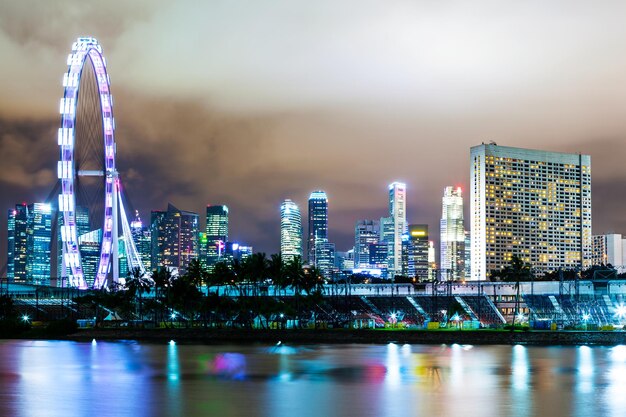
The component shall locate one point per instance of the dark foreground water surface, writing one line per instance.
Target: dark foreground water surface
(56, 378)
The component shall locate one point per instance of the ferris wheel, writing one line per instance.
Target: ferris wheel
(87, 145)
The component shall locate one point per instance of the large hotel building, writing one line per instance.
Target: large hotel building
(533, 204)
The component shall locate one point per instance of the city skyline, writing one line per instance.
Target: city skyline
(239, 138)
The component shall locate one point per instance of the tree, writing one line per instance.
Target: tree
(138, 283)
(516, 271)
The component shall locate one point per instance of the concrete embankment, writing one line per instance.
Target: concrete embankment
(241, 336)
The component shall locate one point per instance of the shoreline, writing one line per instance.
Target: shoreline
(344, 336)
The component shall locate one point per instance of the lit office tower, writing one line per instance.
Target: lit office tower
(452, 235)
(318, 222)
(415, 252)
(142, 240)
(17, 236)
(216, 233)
(174, 238)
(39, 234)
(290, 230)
(29, 233)
(432, 265)
(397, 213)
(89, 244)
(365, 233)
(325, 256)
(11, 218)
(468, 255)
(533, 204)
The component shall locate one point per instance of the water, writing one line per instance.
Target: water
(57, 378)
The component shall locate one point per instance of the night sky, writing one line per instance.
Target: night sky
(247, 103)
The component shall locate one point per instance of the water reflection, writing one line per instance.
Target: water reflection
(132, 379)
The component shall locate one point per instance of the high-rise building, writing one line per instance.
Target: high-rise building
(11, 244)
(89, 244)
(28, 251)
(378, 255)
(529, 203)
(432, 265)
(290, 230)
(234, 250)
(39, 234)
(142, 239)
(415, 252)
(365, 233)
(318, 222)
(452, 235)
(608, 249)
(174, 236)
(397, 213)
(468, 254)
(17, 249)
(325, 256)
(216, 233)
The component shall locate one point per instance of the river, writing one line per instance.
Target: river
(59, 378)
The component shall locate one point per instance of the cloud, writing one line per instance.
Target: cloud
(46, 25)
(23, 147)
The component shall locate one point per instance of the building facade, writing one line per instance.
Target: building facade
(415, 252)
(609, 249)
(318, 223)
(28, 251)
(290, 230)
(452, 235)
(174, 235)
(529, 203)
(397, 214)
(216, 234)
(366, 232)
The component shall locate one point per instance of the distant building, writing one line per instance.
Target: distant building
(216, 233)
(468, 254)
(325, 257)
(432, 264)
(174, 236)
(28, 251)
(529, 203)
(452, 230)
(89, 246)
(290, 230)
(366, 232)
(378, 255)
(415, 252)
(609, 249)
(318, 223)
(236, 251)
(397, 213)
(142, 238)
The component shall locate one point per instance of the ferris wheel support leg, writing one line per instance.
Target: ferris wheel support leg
(115, 276)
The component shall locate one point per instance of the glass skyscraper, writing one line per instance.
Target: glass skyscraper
(174, 236)
(141, 238)
(290, 230)
(452, 235)
(216, 234)
(366, 232)
(397, 213)
(415, 252)
(28, 251)
(318, 223)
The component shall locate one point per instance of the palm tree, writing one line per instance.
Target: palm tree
(516, 271)
(276, 271)
(295, 278)
(138, 283)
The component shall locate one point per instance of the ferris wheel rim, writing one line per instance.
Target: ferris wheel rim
(83, 49)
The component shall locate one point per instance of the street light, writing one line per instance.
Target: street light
(25, 318)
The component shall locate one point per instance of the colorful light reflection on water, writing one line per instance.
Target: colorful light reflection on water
(57, 378)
